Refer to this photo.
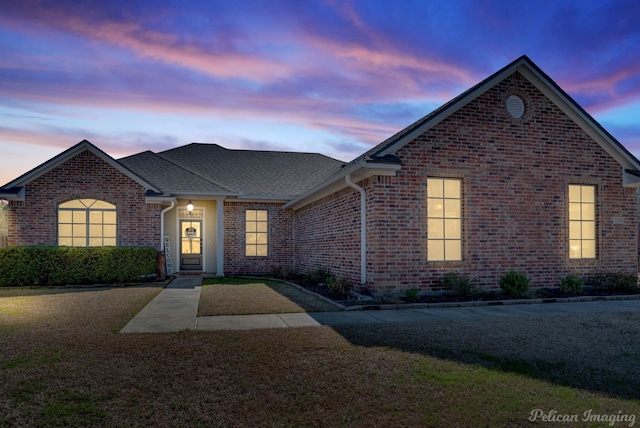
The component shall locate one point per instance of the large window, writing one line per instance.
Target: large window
(86, 223)
(444, 219)
(256, 235)
(582, 222)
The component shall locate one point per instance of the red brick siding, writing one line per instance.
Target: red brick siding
(515, 176)
(279, 240)
(35, 221)
(327, 235)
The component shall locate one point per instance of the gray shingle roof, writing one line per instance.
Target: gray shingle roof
(210, 168)
(169, 177)
(250, 172)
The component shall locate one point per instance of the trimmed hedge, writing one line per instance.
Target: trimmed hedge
(59, 266)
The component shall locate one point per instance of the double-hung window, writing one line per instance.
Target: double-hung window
(582, 222)
(87, 223)
(256, 233)
(444, 219)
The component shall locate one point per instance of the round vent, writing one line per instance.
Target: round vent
(515, 106)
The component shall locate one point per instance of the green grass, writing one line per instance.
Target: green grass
(30, 361)
(31, 291)
(61, 364)
(73, 409)
(237, 296)
(26, 390)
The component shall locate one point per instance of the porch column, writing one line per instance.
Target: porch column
(220, 237)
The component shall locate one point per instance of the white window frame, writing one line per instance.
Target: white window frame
(444, 219)
(81, 223)
(256, 233)
(582, 222)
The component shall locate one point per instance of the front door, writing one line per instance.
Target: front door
(190, 244)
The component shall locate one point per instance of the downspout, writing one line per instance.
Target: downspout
(169, 208)
(363, 228)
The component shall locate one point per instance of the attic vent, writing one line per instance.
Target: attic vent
(515, 106)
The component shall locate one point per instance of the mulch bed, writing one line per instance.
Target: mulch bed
(444, 297)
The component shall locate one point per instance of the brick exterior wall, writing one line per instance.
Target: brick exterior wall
(35, 221)
(515, 175)
(327, 235)
(280, 240)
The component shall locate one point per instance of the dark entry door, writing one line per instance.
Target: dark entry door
(190, 244)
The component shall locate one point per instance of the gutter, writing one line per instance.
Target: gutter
(170, 207)
(12, 194)
(363, 228)
(360, 170)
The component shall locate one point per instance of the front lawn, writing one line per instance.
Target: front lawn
(63, 363)
(235, 296)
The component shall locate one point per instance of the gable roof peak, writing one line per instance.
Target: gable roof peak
(531, 72)
(68, 154)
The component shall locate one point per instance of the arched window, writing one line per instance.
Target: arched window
(86, 223)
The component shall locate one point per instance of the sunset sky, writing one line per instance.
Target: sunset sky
(332, 76)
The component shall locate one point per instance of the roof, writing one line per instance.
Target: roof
(539, 79)
(169, 177)
(209, 169)
(301, 178)
(14, 189)
(204, 170)
(247, 173)
(387, 149)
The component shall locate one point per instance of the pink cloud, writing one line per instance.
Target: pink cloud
(159, 46)
(116, 144)
(34, 138)
(605, 83)
(357, 63)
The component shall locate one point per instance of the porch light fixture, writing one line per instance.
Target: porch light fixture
(190, 206)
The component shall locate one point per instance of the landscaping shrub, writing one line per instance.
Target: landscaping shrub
(459, 285)
(412, 295)
(340, 287)
(317, 276)
(571, 284)
(282, 272)
(514, 284)
(616, 282)
(59, 266)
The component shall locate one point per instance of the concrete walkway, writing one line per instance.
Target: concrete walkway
(176, 308)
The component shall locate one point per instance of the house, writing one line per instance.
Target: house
(511, 174)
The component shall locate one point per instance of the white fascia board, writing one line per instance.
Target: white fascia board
(358, 172)
(203, 195)
(163, 200)
(260, 198)
(630, 180)
(13, 196)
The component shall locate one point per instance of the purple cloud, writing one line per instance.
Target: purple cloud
(357, 70)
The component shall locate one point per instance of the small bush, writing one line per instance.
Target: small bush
(59, 266)
(282, 272)
(616, 282)
(387, 298)
(571, 284)
(514, 284)
(412, 295)
(339, 287)
(458, 285)
(317, 276)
